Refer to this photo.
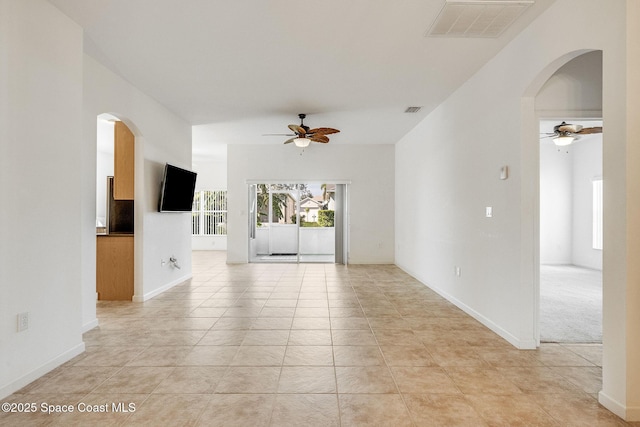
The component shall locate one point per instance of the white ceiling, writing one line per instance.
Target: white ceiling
(240, 69)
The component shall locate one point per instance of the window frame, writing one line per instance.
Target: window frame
(200, 212)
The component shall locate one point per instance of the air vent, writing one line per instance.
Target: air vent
(412, 109)
(479, 18)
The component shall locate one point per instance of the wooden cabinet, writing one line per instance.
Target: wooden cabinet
(124, 162)
(114, 267)
(114, 252)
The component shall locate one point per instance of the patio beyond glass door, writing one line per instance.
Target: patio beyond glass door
(283, 223)
(317, 231)
(292, 222)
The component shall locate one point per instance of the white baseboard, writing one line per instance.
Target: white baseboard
(611, 404)
(156, 292)
(89, 325)
(626, 413)
(513, 340)
(16, 385)
(370, 261)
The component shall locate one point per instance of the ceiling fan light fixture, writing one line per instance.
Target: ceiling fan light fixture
(564, 140)
(302, 142)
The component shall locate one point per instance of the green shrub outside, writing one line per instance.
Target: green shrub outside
(325, 218)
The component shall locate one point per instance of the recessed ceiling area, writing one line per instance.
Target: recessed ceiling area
(238, 70)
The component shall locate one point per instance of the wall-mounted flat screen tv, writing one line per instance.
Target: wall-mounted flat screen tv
(178, 186)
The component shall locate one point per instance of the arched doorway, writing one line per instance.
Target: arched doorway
(530, 185)
(570, 200)
(115, 212)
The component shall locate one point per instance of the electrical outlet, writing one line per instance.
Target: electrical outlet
(23, 321)
(162, 263)
(458, 271)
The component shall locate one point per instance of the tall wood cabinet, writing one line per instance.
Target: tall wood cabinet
(115, 251)
(124, 162)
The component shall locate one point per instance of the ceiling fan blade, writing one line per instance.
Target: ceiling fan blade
(299, 130)
(278, 134)
(566, 127)
(587, 131)
(323, 131)
(319, 138)
(290, 140)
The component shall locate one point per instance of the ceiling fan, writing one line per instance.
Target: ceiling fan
(565, 133)
(303, 135)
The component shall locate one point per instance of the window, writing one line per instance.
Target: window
(597, 213)
(209, 217)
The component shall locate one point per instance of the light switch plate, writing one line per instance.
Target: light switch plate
(504, 172)
(23, 321)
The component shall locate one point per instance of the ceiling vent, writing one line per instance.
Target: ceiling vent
(476, 18)
(412, 109)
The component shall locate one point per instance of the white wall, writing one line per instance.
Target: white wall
(40, 190)
(369, 168)
(104, 165)
(587, 165)
(556, 204)
(161, 137)
(453, 158)
(574, 91)
(212, 175)
(632, 230)
(566, 202)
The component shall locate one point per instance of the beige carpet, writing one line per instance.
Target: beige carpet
(570, 304)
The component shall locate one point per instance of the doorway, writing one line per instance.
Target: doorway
(571, 236)
(115, 224)
(297, 222)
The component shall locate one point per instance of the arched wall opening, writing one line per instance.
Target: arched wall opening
(570, 297)
(617, 367)
(530, 184)
(119, 217)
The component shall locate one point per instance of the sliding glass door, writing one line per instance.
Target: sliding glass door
(317, 233)
(296, 222)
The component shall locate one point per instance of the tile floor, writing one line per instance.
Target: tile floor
(310, 345)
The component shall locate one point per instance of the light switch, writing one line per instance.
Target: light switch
(504, 172)
(489, 211)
